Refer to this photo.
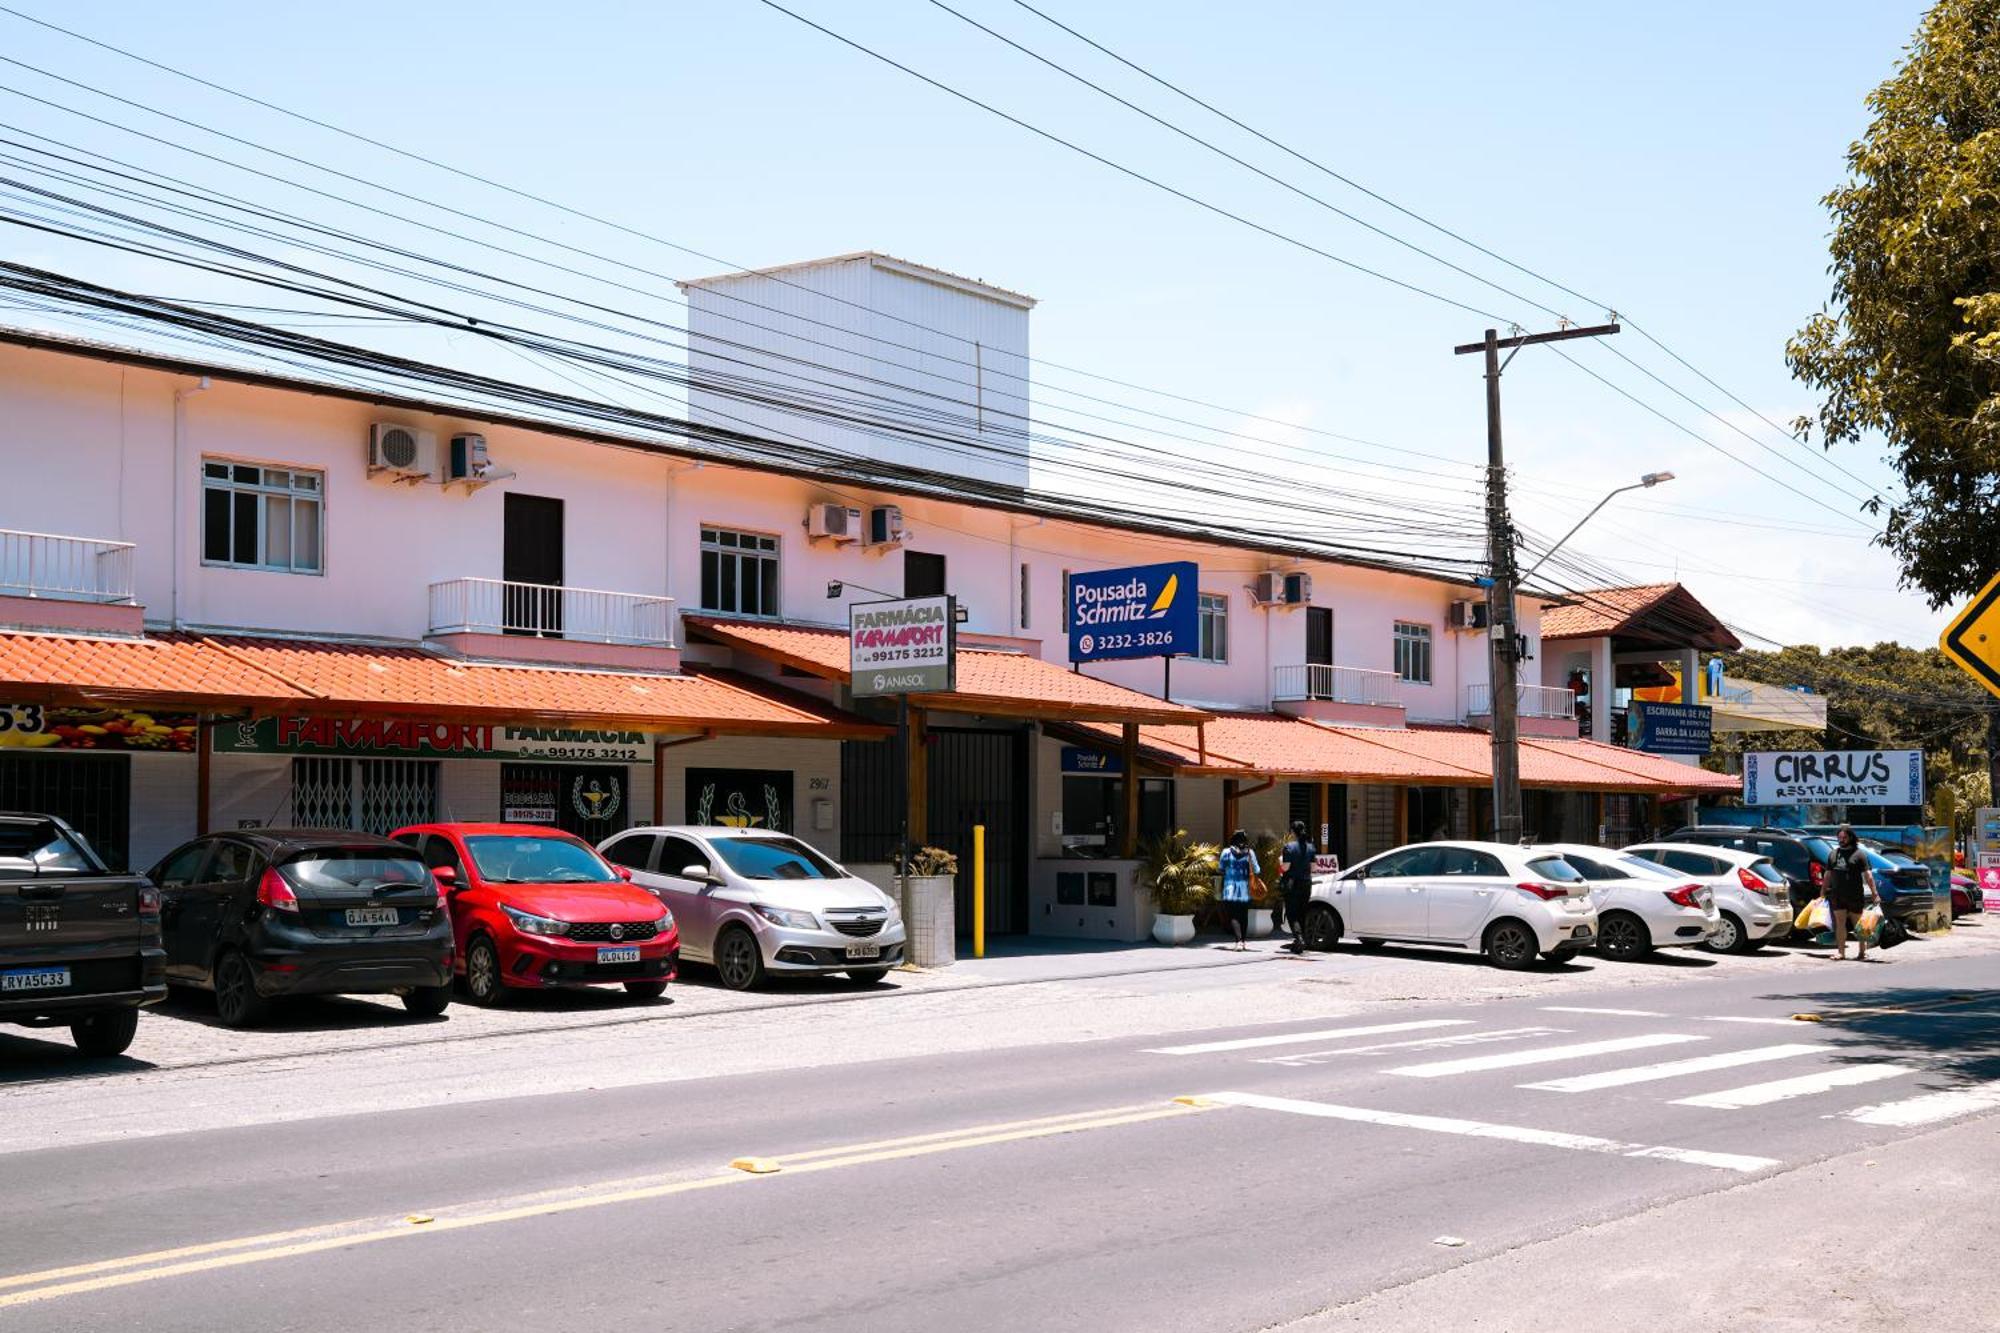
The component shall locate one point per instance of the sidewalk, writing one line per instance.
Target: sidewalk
(1027, 958)
(1911, 1219)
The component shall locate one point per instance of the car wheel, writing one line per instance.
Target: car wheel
(1730, 937)
(738, 960)
(1622, 936)
(237, 1002)
(645, 990)
(1322, 929)
(105, 1034)
(1511, 945)
(866, 976)
(427, 1001)
(482, 973)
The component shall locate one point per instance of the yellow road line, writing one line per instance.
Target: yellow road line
(79, 1279)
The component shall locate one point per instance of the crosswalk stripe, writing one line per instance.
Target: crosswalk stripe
(1543, 1055)
(1295, 1038)
(1932, 1107)
(1479, 1129)
(1580, 1009)
(1763, 1094)
(1300, 1059)
(1738, 1018)
(1618, 1078)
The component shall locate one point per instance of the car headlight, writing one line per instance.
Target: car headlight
(784, 916)
(666, 920)
(530, 924)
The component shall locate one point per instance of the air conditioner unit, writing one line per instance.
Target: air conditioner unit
(1468, 614)
(834, 522)
(401, 452)
(1298, 588)
(467, 460)
(1267, 588)
(1275, 588)
(885, 525)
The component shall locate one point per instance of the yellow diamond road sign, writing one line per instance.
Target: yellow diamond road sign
(1973, 638)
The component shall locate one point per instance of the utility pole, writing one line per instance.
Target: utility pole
(1504, 643)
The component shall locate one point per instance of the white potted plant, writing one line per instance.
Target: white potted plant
(1268, 847)
(1178, 873)
(930, 907)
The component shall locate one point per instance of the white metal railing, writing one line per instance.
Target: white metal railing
(70, 569)
(549, 611)
(1337, 684)
(1547, 701)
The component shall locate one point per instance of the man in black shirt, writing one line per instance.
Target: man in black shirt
(1296, 863)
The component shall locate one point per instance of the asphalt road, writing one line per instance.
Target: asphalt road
(1038, 1181)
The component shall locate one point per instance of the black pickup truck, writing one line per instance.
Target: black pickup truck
(79, 945)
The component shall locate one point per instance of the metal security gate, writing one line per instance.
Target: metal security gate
(371, 795)
(976, 777)
(92, 792)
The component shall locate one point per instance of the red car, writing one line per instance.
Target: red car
(535, 907)
(1966, 895)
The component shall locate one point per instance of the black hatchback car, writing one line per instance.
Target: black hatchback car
(262, 914)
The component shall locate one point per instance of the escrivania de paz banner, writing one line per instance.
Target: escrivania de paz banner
(1138, 611)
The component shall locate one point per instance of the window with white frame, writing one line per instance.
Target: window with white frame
(739, 572)
(1413, 652)
(254, 516)
(1212, 611)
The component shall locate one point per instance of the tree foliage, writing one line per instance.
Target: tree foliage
(1909, 349)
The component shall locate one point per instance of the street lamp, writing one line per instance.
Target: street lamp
(1647, 482)
(837, 587)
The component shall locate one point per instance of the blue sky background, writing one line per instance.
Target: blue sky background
(1668, 159)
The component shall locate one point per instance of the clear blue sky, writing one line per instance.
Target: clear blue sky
(1669, 159)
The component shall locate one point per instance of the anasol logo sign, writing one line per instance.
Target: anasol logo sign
(1139, 611)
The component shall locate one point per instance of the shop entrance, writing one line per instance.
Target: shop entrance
(91, 792)
(976, 777)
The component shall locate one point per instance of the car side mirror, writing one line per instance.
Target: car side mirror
(699, 874)
(624, 873)
(445, 876)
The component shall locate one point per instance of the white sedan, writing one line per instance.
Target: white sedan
(1511, 903)
(1641, 905)
(1752, 897)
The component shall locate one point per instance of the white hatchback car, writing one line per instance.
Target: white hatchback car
(1641, 905)
(755, 903)
(1751, 894)
(1510, 903)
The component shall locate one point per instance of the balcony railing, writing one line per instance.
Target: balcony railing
(69, 569)
(542, 610)
(1545, 701)
(1335, 684)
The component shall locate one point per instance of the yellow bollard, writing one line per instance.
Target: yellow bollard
(979, 890)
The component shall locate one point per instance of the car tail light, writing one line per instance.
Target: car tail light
(149, 903)
(1546, 892)
(1687, 895)
(1817, 873)
(1753, 882)
(276, 894)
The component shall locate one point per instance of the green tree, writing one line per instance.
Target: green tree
(1908, 351)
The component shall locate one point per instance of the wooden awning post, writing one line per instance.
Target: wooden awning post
(204, 746)
(1129, 835)
(920, 783)
(1228, 809)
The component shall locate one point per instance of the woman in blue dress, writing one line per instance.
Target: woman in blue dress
(1238, 864)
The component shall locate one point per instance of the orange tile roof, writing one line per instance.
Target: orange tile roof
(989, 681)
(279, 675)
(60, 668)
(1279, 745)
(1675, 614)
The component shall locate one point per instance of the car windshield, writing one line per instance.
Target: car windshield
(774, 858)
(1877, 861)
(1554, 869)
(35, 848)
(512, 858)
(1821, 848)
(1767, 871)
(354, 868)
(1639, 867)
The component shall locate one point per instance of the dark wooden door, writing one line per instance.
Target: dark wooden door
(1319, 651)
(923, 574)
(532, 553)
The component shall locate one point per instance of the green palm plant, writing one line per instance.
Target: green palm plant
(1178, 872)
